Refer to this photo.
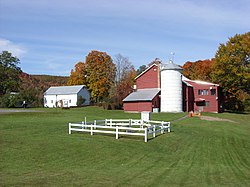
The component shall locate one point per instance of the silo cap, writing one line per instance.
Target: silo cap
(170, 66)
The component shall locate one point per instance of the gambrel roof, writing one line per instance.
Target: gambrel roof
(64, 90)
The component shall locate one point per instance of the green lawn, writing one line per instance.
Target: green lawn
(36, 150)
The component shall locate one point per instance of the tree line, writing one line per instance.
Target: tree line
(111, 80)
(230, 68)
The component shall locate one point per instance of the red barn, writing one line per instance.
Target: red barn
(146, 97)
(197, 95)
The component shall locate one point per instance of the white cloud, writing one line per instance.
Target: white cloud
(15, 49)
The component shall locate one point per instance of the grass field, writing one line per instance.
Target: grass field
(36, 150)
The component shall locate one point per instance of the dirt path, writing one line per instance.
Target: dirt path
(209, 118)
(8, 111)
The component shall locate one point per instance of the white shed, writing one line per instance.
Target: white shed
(66, 96)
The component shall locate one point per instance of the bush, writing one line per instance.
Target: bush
(10, 101)
(80, 101)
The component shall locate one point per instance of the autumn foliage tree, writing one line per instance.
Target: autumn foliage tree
(79, 75)
(199, 70)
(100, 74)
(232, 71)
(97, 73)
(125, 86)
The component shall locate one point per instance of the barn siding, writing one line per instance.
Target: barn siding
(212, 99)
(149, 79)
(138, 106)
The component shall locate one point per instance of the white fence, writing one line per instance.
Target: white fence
(122, 127)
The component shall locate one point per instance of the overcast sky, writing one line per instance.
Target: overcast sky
(51, 36)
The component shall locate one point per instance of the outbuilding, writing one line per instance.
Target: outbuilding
(66, 96)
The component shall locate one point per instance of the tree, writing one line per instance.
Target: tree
(199, 70)
(80, 101)
(122, 64)
(125, 86)
(79, 75)
(97, 73)
(9, 73)
(100, 74)
(125, 75)
(231, 70)
(30, 91)
(141, 69)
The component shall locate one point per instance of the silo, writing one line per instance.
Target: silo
(171, 88)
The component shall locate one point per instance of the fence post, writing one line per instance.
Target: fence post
(162, 127)
(95, 124)
(117, 133)
(91, 129)
(154, 131)
(82, 124)
(146, 134)
(69, 128)
(169, 127)
(106, 122)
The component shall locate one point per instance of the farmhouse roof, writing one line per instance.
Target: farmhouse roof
(64, 90)
(143, 95)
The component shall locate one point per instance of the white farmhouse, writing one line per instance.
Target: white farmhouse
(66, 96)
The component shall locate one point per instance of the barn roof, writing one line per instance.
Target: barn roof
(64, 90)
(143, 95)
(198, 82)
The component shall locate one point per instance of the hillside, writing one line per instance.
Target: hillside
(33, 86)
(46, 81)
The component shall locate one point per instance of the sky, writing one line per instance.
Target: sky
(51, 36)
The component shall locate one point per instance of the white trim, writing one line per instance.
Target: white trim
(148, 68)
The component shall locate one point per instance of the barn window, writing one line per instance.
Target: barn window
(203, 92)
(70, 101)
(213, 91)
(51, 101)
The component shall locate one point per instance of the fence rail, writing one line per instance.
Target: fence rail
(122, 127)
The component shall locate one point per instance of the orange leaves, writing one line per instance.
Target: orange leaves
(200, 69)
(78, 76)
(100, 77)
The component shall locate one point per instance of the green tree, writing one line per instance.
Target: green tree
(141, 69)
(9, 73)
(231, 70)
